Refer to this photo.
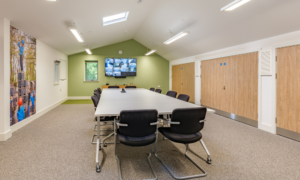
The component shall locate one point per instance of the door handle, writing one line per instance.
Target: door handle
(224, 87)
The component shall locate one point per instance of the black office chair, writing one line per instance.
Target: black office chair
(99, 90)
(95, 100)
(130, 86)
(184, 97)
(185, 128)
(113, 87)
(137, 128)
(172, 94)
(158, 90)
(104, 121)
(152, 89)
(96, 93)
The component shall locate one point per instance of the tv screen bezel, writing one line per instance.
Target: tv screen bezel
(119, 58)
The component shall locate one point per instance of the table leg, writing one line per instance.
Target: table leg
(165, 124)
(98, 147)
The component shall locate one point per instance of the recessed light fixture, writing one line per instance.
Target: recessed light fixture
(51, 0)
(76, 33)
(88, 51)
(234, 4)
(150, 52)
(108, 20)
(176, 37)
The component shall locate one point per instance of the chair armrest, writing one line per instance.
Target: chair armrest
(202, 121)
(154, 123)
(123, 125)
(170, 122)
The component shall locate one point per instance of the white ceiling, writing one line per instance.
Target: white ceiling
(150, 22)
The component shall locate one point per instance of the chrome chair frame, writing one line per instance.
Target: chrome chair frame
(107, 135)
(187, 147)
(119, 161)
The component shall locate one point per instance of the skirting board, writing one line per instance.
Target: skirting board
(288, 134)
(248, 121)
(78, 97)
(23, 123)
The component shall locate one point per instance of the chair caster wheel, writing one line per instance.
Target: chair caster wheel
(98, 170)
(104, 145)
(208, 160)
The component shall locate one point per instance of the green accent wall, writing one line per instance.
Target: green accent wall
(152, 70)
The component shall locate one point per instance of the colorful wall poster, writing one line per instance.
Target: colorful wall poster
(22, 75)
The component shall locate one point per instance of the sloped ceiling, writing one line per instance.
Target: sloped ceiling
(152, 22)
(210, 29)
(48, 21)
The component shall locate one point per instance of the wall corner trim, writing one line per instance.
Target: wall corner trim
(6, 135)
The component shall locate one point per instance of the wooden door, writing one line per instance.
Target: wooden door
(176, 78)
(212, 82)
(288, 88)
(228, 84)
(246, 102)
(183, 79)
(239, 75)
(188, 80)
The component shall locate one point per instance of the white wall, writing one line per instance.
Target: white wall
(48, 94)
(267, 84)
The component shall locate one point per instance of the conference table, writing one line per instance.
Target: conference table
(113, 101)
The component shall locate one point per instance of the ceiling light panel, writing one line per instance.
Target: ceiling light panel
(150, 52)
(88, 51)
(235, 4)
(176, 37)
(76, 33)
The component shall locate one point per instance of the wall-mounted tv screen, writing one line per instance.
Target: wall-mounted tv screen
(120, 67)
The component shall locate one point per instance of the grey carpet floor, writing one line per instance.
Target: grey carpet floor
(57, 146)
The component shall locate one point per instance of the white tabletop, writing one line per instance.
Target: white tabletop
(112, 102)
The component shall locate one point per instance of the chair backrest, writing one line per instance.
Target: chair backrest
(95, 100)
(109, 87)
(138, 122)
(130, 86)
(99, 90)
(172, 94)
(158, 90)
(96, 93)
(189, 119)
(152, 89)
(184, 97)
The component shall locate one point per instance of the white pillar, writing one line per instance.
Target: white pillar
(5, 131)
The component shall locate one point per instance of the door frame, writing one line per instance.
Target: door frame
(266, 127)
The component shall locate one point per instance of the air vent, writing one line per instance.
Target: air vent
(266, 63)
